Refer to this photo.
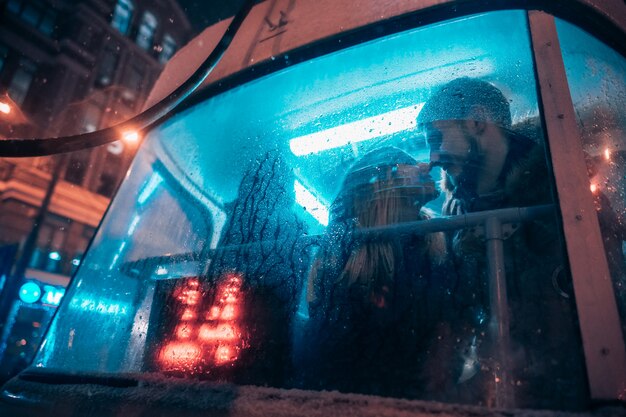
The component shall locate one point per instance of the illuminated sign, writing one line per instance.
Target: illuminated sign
(30, 292)
(52, 295)
(206, 335)
(101, 306)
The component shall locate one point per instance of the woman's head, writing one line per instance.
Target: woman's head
(385, 186)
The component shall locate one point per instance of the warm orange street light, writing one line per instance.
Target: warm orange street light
(5, 108)
(10, 112)
(131, 137)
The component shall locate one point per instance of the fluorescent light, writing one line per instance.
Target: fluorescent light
(149, 188)
(310, 203)
(381, 125)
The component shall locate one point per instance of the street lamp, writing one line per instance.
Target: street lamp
(131, 137)
(5, 108)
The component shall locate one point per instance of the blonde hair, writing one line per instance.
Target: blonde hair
(367, 201)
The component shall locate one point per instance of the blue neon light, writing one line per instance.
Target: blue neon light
(30, 292)
(55, 256)
(52, 295)
(150, 187)
(133, 224)
(101, 306)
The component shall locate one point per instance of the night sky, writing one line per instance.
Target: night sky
(203, 13)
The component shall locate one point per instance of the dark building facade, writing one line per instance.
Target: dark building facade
(69, 67)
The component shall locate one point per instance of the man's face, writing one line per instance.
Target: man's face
(450, 148)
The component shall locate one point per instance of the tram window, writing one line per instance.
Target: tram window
(596, 76)
(281, 233)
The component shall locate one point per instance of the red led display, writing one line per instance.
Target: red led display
(205, 336)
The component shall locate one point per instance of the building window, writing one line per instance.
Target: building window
(107, 185)
(134, 81)
(168, 47)
(35, 13)
(91, 117)
(77, 167)
(122, 16)
(106, 71)
(21, 81)
(147, 29)
(46, 25)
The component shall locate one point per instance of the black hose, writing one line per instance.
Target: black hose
(51, 146)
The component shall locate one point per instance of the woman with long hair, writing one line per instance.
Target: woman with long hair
(374, 299)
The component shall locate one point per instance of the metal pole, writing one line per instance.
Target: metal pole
(10, 293)
(499, 323)
(421, 227)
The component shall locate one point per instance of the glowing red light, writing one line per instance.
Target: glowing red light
(593, 188)
(180, 355)
(190, 297)
(225, 354)
(184, 331)
(205, 337)
(214, 313)
(228, 313)
(229, 294)
(210, 333)
(188, 314)
(234, 278)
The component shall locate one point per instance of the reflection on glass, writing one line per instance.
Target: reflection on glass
(147, 28)
(168, 48)
(122, 16)
(97, 78)
(596, 76)
(286, 233)
(21, 81)
(107, 60)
